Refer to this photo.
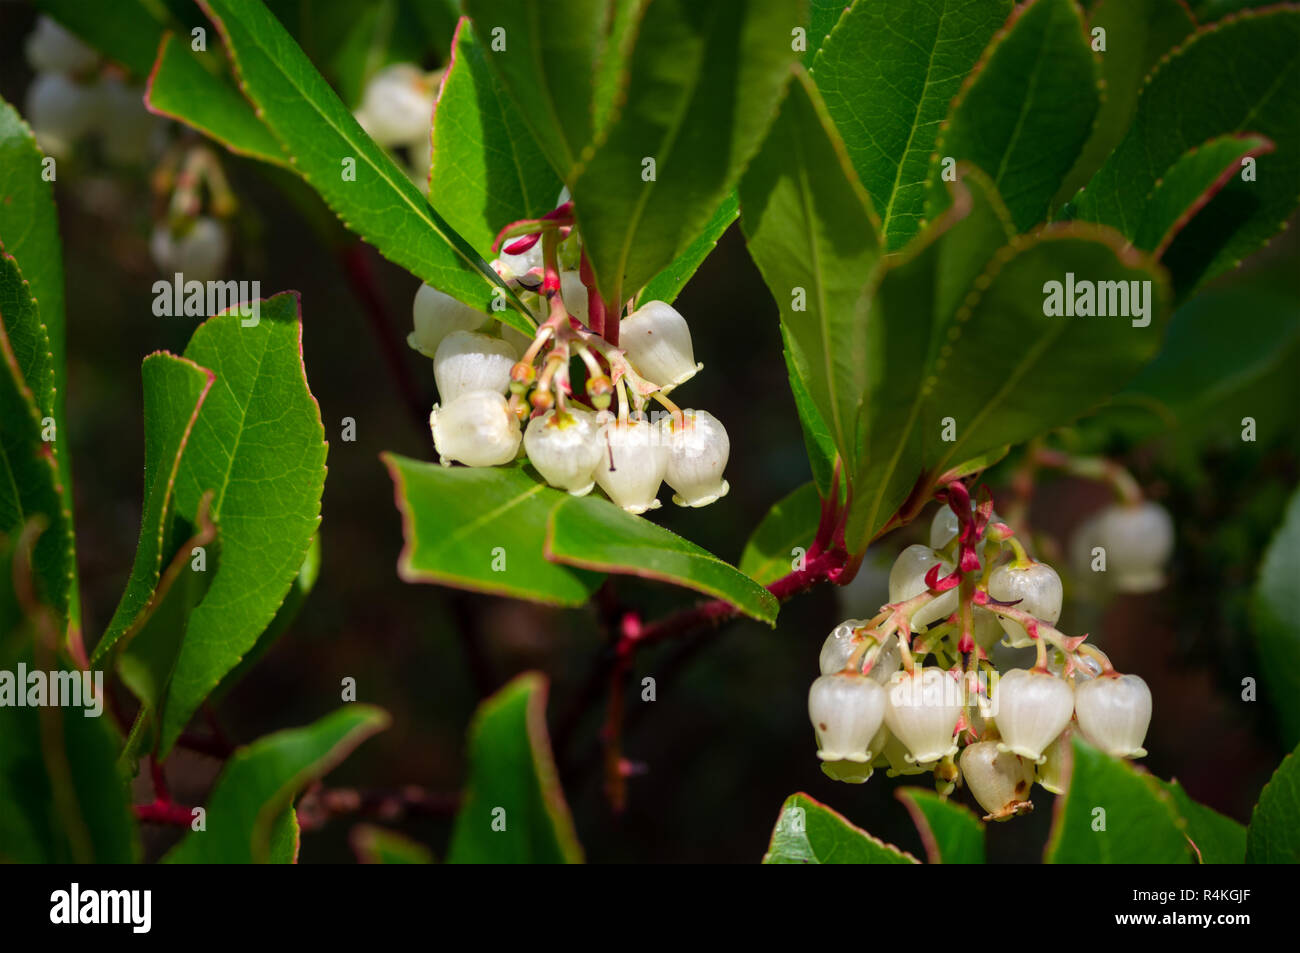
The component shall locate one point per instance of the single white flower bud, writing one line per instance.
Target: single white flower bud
(467, 360)
(658, 344)
(199, 254)
(632, 464)
(1054, 770)
(945, 525)
(565, 448)
(511, 268)
(52, 49)
(61, 111)
(697, 455)
(436, 315)
(1031, 710)
(1114, 714)
(839, 645)
(476, 429)
(1039, 590)
(907, 581)
(574, 293)
(999, 780)
(1138, 540)
(923, 711)
(888, 660)
(846, 712)
(397, 105)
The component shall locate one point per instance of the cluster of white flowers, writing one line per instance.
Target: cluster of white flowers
(913, 687)
(73, 97)
(397, 112)
(489, 385)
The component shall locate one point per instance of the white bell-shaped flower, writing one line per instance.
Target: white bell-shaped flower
(565, 447)
(1114, 714)
(658, 343)
(887, 661)
(923, 711)
(513, 267)
(466, 361)
(999, 780)
(846, 712)
(199, 253)
(907, 580)
(436, 315)
(1039, 590)
(1031, 709)
(61, 111)
(574, 293)
(1138, 540)
(839, 645)
(632, 464)
(52, 49)
(397, 105)
(697, 455)
(1053, 772)
(476, 429)
(945, 526)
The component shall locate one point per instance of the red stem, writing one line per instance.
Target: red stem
(165, 812)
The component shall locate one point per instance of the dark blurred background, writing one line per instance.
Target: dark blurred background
(728, 738)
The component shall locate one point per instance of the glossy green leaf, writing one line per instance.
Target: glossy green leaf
(790, 524)
(357, 179)
(705, 80)
(183, 88)
(614, 46)
(544, 54)
(1189, 184)
(1115, 813)
(1240, 75)
(514, 810)
(813, 235)
(130, 35)
(1273, 836)
(27, 335)
(259, 445)
(950, 832)
(592, 533)
(888, 73)
(1217, 839)
(809, 832)
(483, 529)
(174, 391)
(1274, 621)
(824, 14)
(1138, 34)
(378, 845)
(666, 285)
(486, 170)
(249, 814)
(1025, 112)
(988, 365)
(818, 440)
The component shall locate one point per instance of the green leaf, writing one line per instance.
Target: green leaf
(791, 523)
(817, 437)
(1273, 836)
(128, 34)
(824, 15)
(813, 235)
(1236, 76)
(1217, 839)
(809, 832)
(27, 335)
(610, 73)
(380, 203)
(260, 445)
(455, 519)
(1025, 112)
(514, 810)
(1114, 813)
(592, 533)
(946, 342)
(181, 87)
(668, 284)
(378, 845)
(1189, 184)
(951, 833)
(544, 55)
(1138, 34)
(249, 813)
(174, 391)
(486, 170)
(705, 79)
(888, 73)
(1276, 627)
